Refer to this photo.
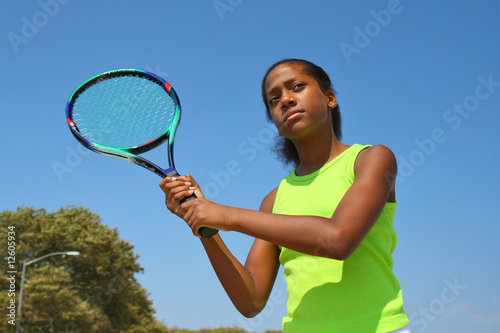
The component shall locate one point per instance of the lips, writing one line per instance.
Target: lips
(292, 114)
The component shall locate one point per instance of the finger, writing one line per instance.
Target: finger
(183, 178)
(195, 228)
(197, 189)
(173, 198)
(167, 184)
(186, 192)
(175, 186)
(178, 184)
(176, 194)
(191, 179)
(188, 217)
(191, 218)
(175, 206)
(179, 188)
(167, 180)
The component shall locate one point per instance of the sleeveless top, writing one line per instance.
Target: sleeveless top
(359, 294)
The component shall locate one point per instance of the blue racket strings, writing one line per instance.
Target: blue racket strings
(123, 112)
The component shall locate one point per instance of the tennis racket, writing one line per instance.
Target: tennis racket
(124, 113)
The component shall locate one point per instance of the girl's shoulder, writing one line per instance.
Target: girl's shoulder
(375, 153)
(378, 157)
(268, 201)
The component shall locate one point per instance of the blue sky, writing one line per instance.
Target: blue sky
(421, 77)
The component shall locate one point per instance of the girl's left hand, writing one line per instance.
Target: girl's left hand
(204, 213)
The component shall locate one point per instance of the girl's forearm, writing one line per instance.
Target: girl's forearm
(307, 234)
(234, 277)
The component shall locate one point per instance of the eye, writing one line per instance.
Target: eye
(273, 99)
(298, 86)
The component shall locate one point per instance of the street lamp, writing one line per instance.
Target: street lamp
(26, 263)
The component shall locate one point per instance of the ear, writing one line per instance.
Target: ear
(331, 100)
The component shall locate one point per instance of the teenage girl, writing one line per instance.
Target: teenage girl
(329, 223)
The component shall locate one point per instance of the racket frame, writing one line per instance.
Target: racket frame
(131, 153)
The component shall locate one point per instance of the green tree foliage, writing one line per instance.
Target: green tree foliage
(93, 292)
(219, 330)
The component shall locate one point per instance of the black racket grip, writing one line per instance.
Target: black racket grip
(205, 232)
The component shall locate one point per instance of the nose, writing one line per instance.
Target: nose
(287, 102)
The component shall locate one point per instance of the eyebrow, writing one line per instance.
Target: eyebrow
(287, 81)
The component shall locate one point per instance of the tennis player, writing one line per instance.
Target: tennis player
(329, 223)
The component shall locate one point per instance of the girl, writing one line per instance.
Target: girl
(329, 223)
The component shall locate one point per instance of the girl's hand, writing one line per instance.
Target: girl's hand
(176, 189)
(204, 213)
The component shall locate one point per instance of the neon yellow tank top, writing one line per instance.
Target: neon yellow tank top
(360, 294)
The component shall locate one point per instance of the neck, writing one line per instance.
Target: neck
(316, 152)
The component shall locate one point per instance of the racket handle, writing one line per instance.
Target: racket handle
(205, 232)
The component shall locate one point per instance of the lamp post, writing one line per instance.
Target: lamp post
(26, 263)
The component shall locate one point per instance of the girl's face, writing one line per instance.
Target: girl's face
(296, 103)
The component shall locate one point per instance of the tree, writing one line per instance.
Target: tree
(93, 292)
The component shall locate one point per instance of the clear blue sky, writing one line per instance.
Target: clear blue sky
(422, 77)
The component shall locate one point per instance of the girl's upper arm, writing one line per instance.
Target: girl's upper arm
(361, 206)
(263, 259)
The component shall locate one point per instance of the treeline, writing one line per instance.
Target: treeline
(218, 330)
(95, 291)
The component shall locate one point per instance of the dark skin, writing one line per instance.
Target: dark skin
(301, 112)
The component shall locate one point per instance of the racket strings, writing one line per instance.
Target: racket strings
(125, 111)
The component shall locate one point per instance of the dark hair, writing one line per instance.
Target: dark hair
(284, 148)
